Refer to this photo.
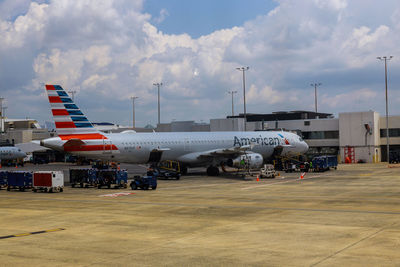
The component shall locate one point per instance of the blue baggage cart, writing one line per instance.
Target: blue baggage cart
(19, 180)
(112, 178)
(324, 163)
(3, 179)
(122, 177)
(83, 177)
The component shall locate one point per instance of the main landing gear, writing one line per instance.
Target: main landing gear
(212, 171)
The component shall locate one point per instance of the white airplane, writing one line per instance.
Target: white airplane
(77, 135)
(10, 153)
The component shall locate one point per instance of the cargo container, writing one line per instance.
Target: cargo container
(83, 177)
(112, 178)
(19, 180)
(48, 181)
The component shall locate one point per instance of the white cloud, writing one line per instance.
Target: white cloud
(163, 14)
(350, 99)
(332, 4)
(361, 39)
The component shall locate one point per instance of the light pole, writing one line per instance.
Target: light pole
(158, 86)
(232, 92)
(315, 95)
(3, 111)
(385, 58)
(133, 110)
(1, 114)
(73, 92)
(243, 69)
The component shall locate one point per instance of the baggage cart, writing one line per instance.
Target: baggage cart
(83, 177)
(48, 181)
(112, 178)
(19, 180)
(324, 163)
(3, 179)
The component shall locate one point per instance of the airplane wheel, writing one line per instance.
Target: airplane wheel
(133, 186)
(212, 171)
(184, 170)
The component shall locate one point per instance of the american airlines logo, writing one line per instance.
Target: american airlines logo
(264, 141)
(284, 139)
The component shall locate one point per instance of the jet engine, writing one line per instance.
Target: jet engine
(249, 160)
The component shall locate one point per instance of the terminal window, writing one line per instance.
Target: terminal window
(394, 132)
(321, 135)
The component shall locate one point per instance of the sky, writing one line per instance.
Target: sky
(110, 50)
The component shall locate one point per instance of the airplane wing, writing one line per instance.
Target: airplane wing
(226, 152)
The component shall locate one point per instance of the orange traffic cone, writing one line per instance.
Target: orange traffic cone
(302, 175)
(258, 177)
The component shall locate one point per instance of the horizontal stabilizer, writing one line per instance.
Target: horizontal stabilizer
(74, 143)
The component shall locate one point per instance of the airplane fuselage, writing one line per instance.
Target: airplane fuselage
(186, 147)
(10, 153)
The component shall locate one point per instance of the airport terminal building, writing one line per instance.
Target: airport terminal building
(361, 136)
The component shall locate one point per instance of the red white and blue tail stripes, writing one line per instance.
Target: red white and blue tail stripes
(71, 123)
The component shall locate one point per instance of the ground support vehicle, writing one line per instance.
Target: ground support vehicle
(324, 163)
(144, 182)
(394, 157)
(48, 181)
(19, 180)
(3, 179)
(268, 171)
(83, 177)
(112, 178)
(164, 174)
(167, 169)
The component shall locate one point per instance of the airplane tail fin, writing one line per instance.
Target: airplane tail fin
(70, 122)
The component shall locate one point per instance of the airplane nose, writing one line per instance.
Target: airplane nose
(305, 147)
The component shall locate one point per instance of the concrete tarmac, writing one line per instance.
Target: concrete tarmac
(347, 217)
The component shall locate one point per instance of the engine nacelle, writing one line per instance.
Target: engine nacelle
(249, 160)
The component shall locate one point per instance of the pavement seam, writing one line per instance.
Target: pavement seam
(280, 182)
(350, 246)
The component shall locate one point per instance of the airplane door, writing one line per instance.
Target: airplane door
(186, 144)
(155, 156)
(107, 146)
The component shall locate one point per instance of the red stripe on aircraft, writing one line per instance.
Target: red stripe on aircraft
(60, 112)
(65, 124)
(90, 148)
(50, 87)
(55, 99)
(89, 136)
